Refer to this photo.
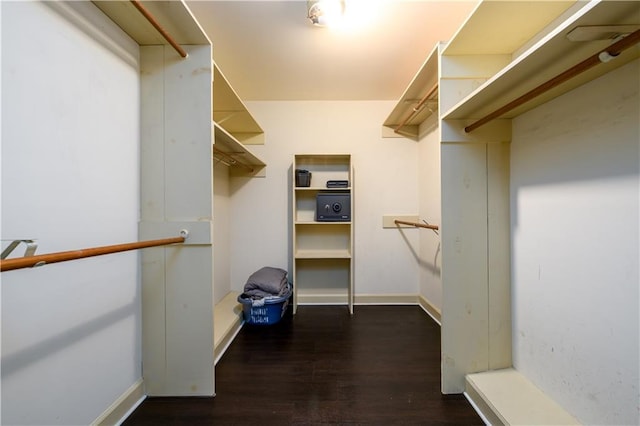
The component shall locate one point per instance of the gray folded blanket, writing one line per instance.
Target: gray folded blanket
(266, 281)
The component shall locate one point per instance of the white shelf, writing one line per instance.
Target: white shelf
(226, 324)
(507, 397)
(321, 188)
(234, 129)
(323, 254)
(314, 222)
(231, 114)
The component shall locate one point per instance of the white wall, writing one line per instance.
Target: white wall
(575, 236)
(385, 183)
(70, 173)
(430, 210)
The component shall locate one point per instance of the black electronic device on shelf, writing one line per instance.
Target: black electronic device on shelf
(337, 184)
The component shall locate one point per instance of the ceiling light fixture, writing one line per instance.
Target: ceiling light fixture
(325, 12)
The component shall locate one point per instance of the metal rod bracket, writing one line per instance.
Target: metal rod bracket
(30, 250)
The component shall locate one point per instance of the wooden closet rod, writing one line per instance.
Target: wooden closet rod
(43, 259)
(230, 160)
(417, 107)
(602, 56)
(159, 28)
(416, 224)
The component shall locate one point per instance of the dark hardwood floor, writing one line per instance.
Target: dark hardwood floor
(379, 367)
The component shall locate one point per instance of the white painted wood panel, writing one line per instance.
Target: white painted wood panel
(152, 126)
(465, 303)
(178, 188)
(188, 135)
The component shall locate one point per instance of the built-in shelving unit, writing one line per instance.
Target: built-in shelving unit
(485, 66)
(529, 52)
(176, 181)
(322, 251)
(191, 118)
(234, 128)
(503, 52)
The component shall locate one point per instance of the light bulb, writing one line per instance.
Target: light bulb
(325, 12)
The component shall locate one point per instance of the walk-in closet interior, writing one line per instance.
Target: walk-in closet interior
(500, 192)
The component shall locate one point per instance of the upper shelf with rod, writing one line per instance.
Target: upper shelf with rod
(418, 102)
(234, 128)
(170, 22)
(486, 66)
(231, 113)
(228, 150)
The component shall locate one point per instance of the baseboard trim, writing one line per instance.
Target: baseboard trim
(386, 299)
(123, 406)
(374, 299)
(322, 299)
(430, 309)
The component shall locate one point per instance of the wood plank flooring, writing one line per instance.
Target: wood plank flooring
(380, 366)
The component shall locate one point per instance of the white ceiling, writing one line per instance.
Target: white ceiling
(269, 51)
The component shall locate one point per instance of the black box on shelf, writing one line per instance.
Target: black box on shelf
(333, 207)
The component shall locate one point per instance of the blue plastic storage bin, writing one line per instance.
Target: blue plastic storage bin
(269, 312)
